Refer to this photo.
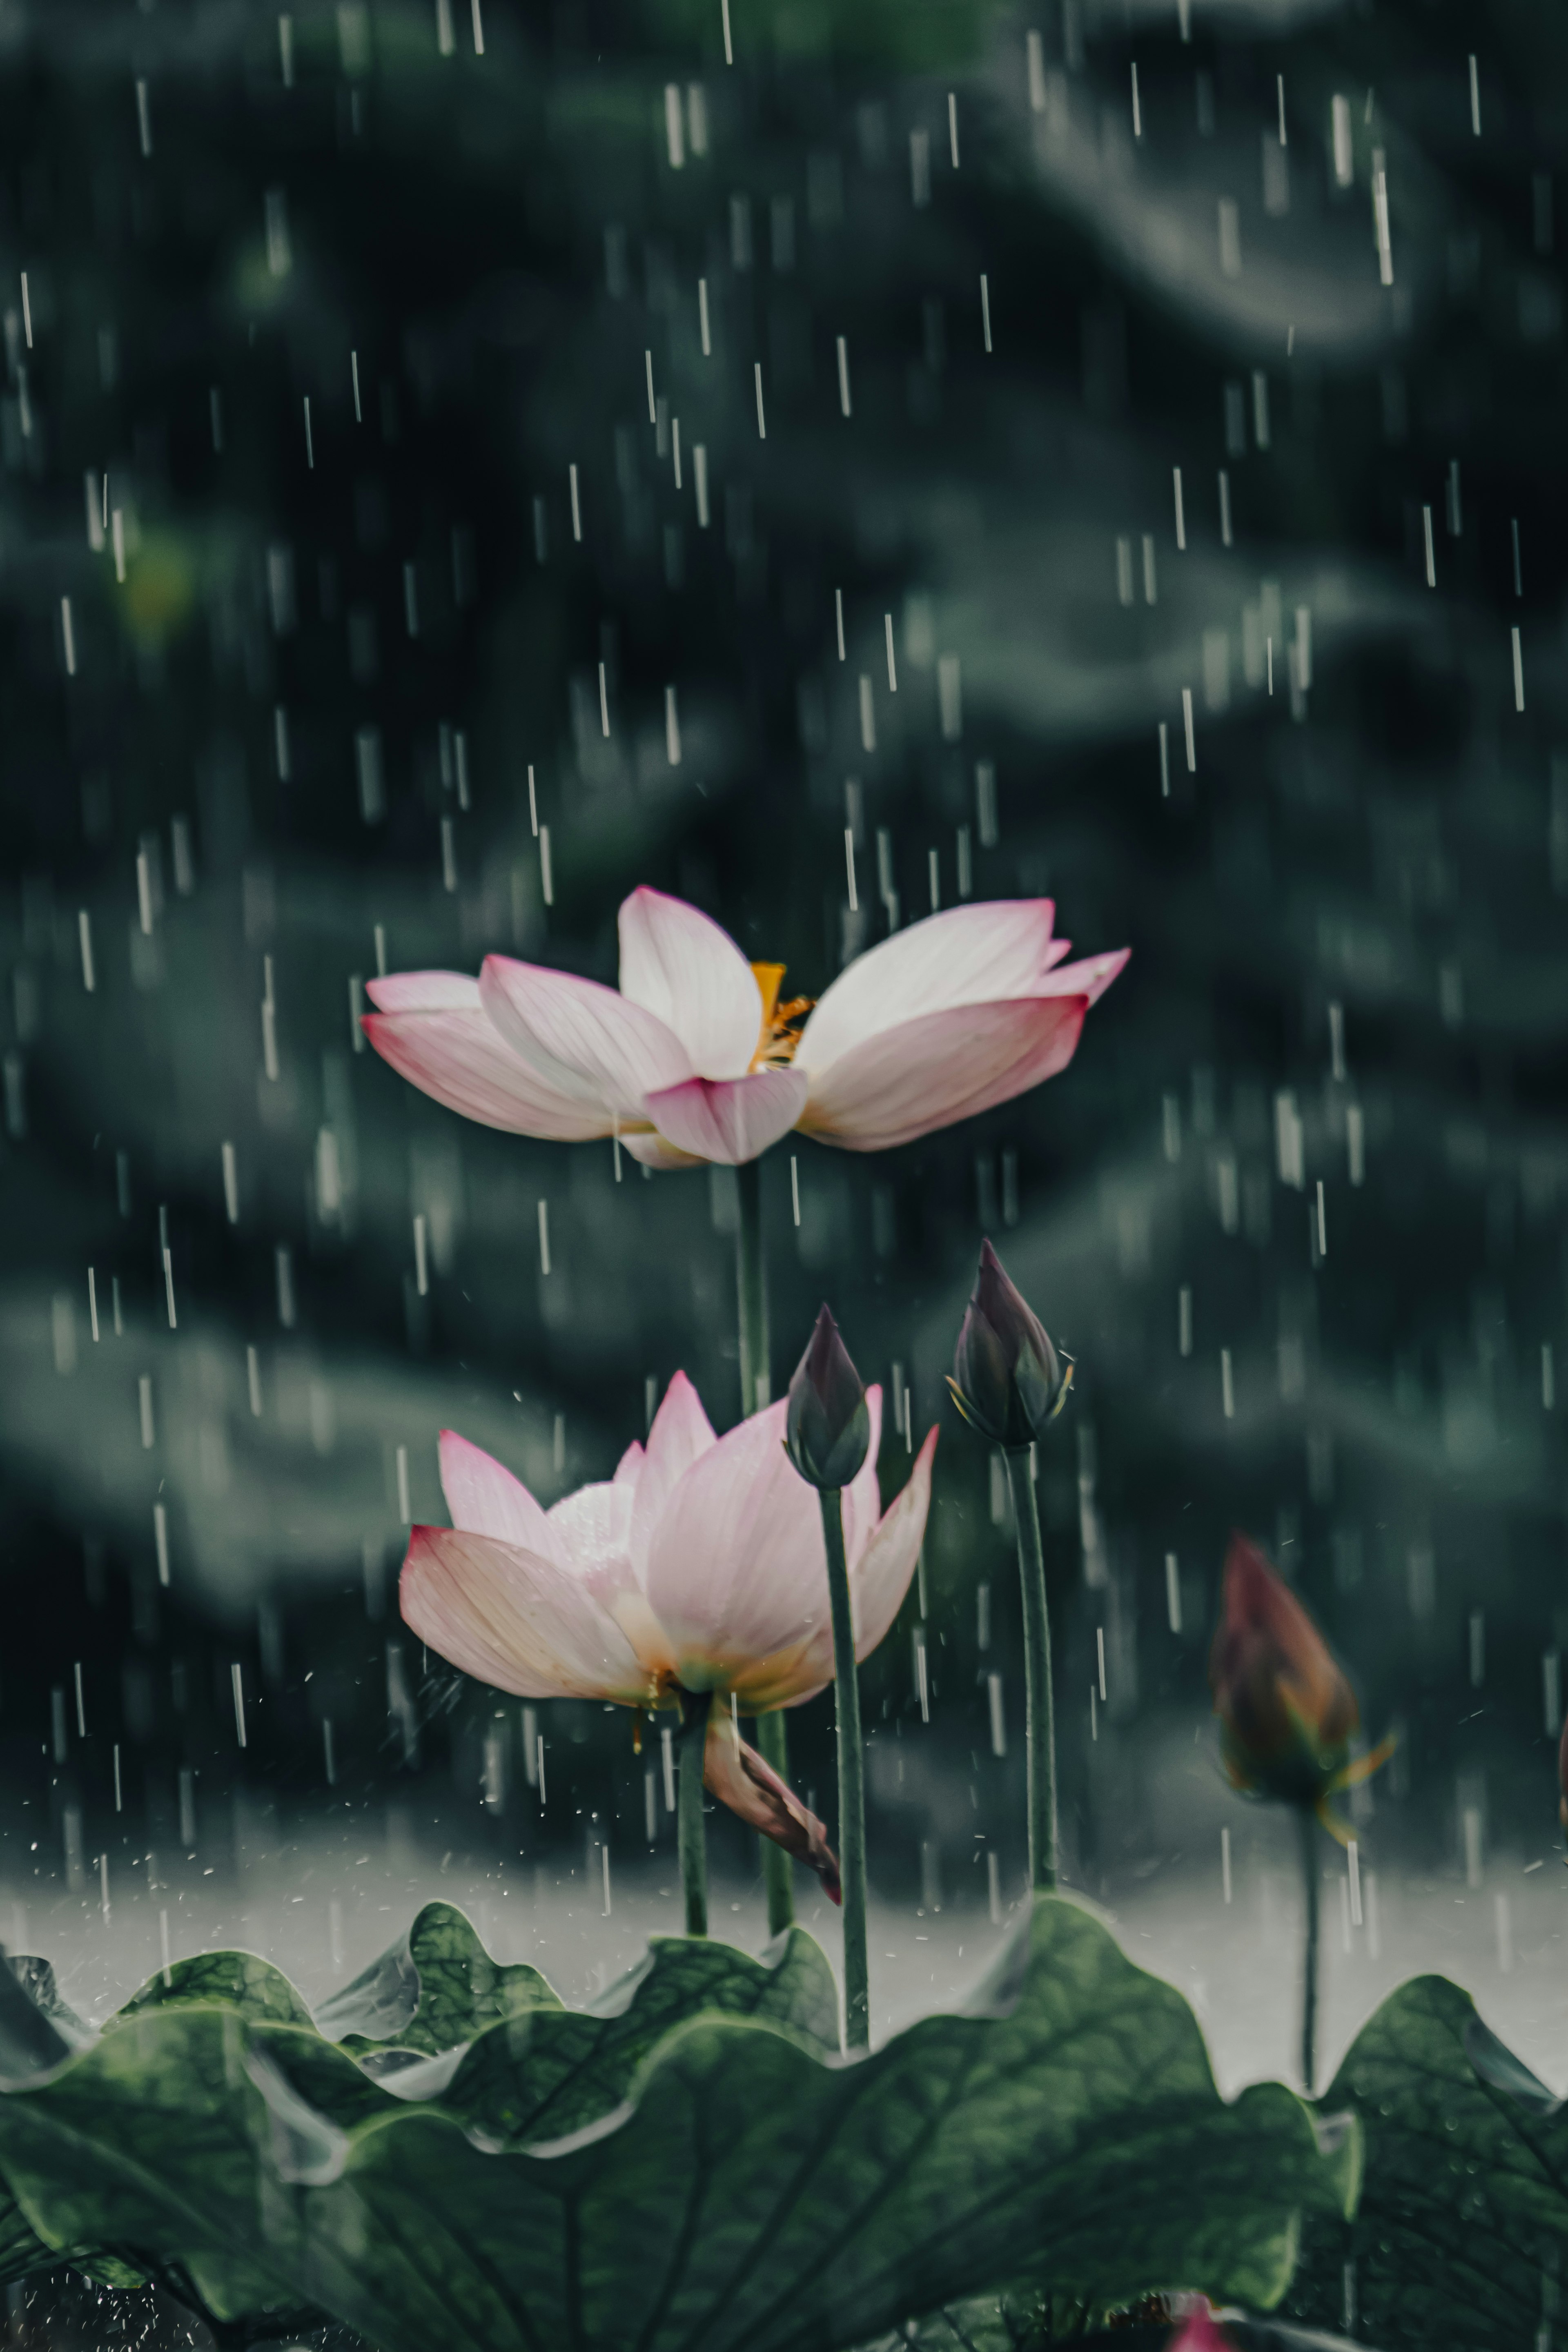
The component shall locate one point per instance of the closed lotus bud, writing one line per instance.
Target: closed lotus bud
(1287, 1713)
(827, 1430)
(1008, 1380)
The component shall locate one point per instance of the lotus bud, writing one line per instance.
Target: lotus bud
(827, 1430)
(1287, 1712)
(1008, 1379)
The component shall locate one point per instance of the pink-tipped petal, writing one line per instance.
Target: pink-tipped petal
(736, 1573)
(650, 1147)
(931, 1073)
(739, 1778)
(970, 955)
(681, 1432)
(628, 1469)
(514, 1618)
(433, 1031)
(863, 1497)
(730, 1119)
(585, 1038)
(879, 1577)
(679, 966)
(424, 991)
(1090, 976)
(485, 1499)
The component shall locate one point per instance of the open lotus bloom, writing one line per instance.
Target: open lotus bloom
(694, 1057)
(698, 1567)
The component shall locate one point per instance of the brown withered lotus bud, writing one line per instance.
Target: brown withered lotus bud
(1287, 1712)
(1008, 1380)
(827, 1430)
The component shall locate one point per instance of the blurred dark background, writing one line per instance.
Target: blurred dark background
(308, 321)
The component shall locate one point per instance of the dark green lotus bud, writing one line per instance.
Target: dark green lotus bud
(827, 1432)
(1008, 1380)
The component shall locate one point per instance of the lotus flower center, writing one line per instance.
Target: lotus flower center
(780, 1031)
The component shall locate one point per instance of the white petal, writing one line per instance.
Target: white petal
(654, 1150)
(681, 1432)
(592, 1529)
(1090, 976)
(514, 1618)
(967, 956)
(585, 1038)
(730, 1119)
(424, 991)
(736, 1571)
(678, 965)
(948, 1067)
(485, 1499)
(879, 1579)
(431, 1028)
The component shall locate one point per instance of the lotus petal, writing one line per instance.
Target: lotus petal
(932, 1072)
(678, 965)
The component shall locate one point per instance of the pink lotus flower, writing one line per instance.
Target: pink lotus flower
(694, 1058)
(698, 1567)
(1200, 2332)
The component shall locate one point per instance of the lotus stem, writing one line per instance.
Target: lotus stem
(778, 1870)
(751, 1289)
(851, 1781)
(1308, 1825)
(693, 1836)
(756, 1391)
(1040, 1733)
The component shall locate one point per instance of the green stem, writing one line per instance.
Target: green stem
(756, 1391)
(851, 1781)
(1306, 1823)
(1040, 1733)
(778, 1873)
(751, 1289)
(693, 1835)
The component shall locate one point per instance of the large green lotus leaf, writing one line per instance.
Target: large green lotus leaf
(23, 2251)
(1457, 2239)
(751, 2197)
(435, 1988)
(230, 1980)
(553, 2070)
(166, 2144)
(39, 2030)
